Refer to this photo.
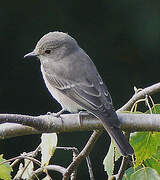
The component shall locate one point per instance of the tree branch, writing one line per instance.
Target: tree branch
(40, 170)
(18, 125)
(83, 154)
(141, 94)
(124, 163)
(123, 167)
(71, 122)
(12, 125)
(90, 168)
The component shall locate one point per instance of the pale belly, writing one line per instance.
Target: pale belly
(63, 100)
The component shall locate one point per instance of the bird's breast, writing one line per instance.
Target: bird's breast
(63, 100)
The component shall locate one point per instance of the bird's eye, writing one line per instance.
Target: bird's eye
(48, 51)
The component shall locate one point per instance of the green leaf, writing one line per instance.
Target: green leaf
(145, 173)
(145, 145)
(117, 154)
(128, 173)
(5, 169)
(155, 109)
(48, 146)
(108, 161)
(154, 161)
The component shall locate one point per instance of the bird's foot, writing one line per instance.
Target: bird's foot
(58, 114)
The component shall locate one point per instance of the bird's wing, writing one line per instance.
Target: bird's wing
(91, 95)
(85, 91)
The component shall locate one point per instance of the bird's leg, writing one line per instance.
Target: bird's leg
(82, 113)
(58, 114)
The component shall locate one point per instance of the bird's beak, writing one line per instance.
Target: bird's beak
(31, 54)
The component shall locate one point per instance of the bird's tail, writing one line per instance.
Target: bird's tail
(122, 143)
(119, 138)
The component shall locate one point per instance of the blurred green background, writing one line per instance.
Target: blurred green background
(122, 38)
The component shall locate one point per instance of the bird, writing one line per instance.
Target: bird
(74, 82)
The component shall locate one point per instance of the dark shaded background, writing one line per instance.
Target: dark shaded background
(122, 37)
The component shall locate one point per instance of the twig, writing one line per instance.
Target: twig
(32, 159)
(15, 162)
(22, 156)
(74, 149)
(11, 159)
(75, 154)
(146, 91)
(74, 173)
(124, 162)
(122, 169)
(34, 153)
(90, 168)
(49, 167)
(83, 154)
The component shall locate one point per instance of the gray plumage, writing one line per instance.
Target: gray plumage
(73, 80)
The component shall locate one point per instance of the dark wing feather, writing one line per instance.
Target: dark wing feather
(92, 97)
(77, 92)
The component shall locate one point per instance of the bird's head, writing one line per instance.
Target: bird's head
(54, 46)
